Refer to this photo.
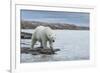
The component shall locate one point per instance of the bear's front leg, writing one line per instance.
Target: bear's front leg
(44, 44)
(51, 45)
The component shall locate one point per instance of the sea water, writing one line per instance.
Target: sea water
(73, 45)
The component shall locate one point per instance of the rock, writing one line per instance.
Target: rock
(47, 51)
(25, 35)
(39, 50)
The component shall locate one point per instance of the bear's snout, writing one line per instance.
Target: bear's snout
(53, 40)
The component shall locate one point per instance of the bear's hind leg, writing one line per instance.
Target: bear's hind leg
(33, 43)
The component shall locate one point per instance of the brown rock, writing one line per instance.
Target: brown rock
(38, 50)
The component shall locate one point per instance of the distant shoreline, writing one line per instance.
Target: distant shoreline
(60, 26)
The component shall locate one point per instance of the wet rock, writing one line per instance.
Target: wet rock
(47, 51)
(25, 35)
(39, 50)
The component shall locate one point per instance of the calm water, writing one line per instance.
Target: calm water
(73, 45)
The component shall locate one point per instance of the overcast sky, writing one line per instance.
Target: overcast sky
(78, 18)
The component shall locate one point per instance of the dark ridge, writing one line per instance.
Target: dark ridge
(34, 24)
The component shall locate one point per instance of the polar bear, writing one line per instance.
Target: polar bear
(43, 35)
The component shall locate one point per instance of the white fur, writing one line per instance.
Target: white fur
(43, 34)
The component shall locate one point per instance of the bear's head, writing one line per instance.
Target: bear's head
(50, 34)
(52, 37)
